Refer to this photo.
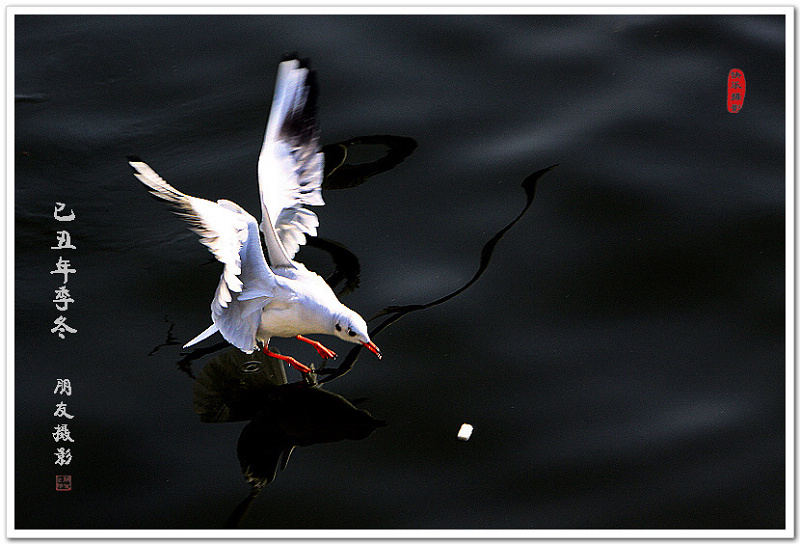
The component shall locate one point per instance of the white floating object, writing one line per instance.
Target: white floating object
(465, 432)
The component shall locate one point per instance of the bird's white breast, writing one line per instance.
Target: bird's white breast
(305, 305)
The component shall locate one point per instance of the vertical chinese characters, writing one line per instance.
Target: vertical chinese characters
(62, 301)
(62, 298)
(62, 433)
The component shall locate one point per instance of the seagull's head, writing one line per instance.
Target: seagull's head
(351, 327)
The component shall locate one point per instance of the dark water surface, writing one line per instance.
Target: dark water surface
(622, 358)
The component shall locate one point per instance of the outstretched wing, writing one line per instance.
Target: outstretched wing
(290, 166)
(231, 234)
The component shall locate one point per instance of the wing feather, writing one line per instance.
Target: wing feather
(290, 166)
(231, 234)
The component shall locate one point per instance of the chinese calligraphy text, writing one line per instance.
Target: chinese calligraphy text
(62, 298)
(62, 434)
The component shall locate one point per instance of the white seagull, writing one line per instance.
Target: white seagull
(256, 300)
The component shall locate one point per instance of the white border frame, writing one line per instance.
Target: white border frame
(356, 7)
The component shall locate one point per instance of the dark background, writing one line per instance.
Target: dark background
(621, 360)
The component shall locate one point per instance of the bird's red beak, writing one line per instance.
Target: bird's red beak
(373, 348)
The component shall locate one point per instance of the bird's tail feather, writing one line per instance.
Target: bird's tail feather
(202, 336)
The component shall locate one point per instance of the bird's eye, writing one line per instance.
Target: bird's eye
(338, 327)
(351, 333)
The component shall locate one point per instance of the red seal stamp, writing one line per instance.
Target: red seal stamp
(736, 89)
(63, 482)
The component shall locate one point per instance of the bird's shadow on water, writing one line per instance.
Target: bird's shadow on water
(235, 386)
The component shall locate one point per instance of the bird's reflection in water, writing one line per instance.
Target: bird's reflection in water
(235, 386)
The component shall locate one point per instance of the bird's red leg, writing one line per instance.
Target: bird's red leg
(324, 352)
(292, 361)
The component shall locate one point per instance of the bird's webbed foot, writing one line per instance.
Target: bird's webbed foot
(290, 360)
(324, 352)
